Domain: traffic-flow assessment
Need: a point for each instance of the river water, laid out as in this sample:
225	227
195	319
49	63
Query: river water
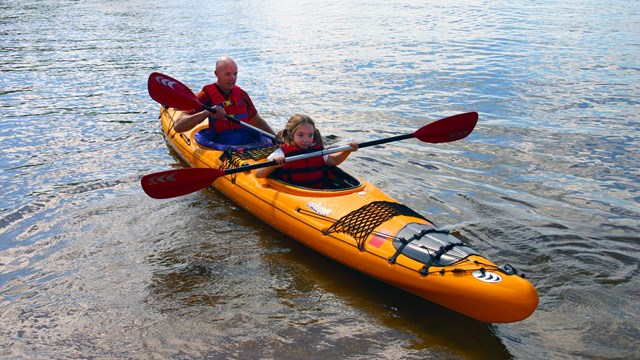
90	267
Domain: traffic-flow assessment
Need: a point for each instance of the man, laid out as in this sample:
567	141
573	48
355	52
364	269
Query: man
226	99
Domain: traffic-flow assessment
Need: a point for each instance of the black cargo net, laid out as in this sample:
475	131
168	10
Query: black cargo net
255	154
235	158
360	223
228	161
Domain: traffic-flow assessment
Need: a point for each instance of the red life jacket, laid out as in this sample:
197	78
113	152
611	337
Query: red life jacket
308	172
236	105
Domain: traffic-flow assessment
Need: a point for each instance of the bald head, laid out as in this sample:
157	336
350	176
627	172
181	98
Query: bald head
225	61
227	73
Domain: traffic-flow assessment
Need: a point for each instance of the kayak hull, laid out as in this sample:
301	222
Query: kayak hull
360	227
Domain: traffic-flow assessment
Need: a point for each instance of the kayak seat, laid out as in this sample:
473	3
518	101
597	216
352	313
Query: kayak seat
337	179
231	140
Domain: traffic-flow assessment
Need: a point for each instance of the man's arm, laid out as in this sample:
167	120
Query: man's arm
185	121
259	122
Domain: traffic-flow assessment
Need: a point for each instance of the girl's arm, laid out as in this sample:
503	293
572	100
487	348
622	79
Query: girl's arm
264	172
277	156
337	158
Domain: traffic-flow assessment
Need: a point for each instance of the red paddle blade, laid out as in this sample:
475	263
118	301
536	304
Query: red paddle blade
449	129
178	182
171	92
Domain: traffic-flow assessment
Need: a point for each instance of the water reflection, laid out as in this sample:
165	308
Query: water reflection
282	292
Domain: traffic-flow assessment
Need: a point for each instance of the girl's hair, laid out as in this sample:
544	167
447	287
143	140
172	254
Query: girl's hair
293	124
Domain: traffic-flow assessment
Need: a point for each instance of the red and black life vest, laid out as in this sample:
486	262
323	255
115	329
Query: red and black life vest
310	172
235	106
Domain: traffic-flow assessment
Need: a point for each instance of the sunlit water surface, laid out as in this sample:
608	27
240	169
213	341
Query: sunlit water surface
548	181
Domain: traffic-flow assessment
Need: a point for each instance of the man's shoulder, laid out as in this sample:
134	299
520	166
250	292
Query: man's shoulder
240	91
247	99
209	88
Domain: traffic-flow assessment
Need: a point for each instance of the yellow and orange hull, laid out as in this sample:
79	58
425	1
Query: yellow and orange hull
473	285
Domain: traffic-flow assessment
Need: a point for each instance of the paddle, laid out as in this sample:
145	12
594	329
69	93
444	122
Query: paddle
171	92
178	182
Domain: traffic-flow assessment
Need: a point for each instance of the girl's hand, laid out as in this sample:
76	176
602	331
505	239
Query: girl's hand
279	159
354	146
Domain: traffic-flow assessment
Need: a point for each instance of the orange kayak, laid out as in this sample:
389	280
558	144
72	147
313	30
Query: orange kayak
355	223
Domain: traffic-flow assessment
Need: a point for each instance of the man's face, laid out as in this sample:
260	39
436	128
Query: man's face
227	75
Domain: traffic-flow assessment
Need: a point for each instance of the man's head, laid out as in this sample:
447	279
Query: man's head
227	73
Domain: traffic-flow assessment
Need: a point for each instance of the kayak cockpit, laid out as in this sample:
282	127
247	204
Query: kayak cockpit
335	179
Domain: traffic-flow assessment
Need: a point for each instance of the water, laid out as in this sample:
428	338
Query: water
548	180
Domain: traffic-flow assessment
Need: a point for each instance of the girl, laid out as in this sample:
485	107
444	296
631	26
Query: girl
301	136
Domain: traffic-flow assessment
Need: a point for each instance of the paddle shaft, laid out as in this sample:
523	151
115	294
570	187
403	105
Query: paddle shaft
231	118
178	182
317	153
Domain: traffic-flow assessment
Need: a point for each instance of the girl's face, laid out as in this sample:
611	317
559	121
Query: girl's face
303	135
